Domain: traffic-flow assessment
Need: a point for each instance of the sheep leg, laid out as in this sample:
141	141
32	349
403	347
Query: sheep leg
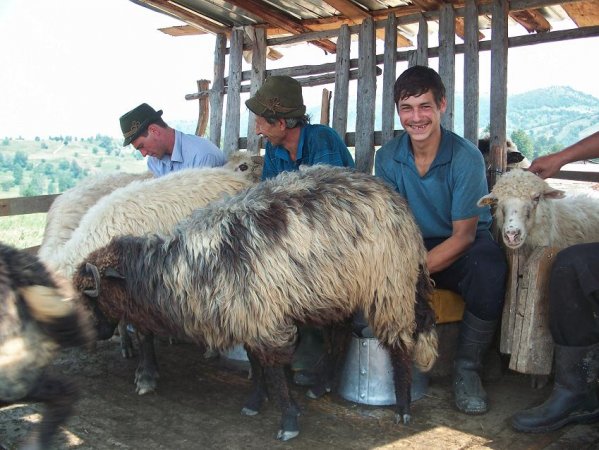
126	342
146	375
402	378
259	389
337	339
58	396
289	427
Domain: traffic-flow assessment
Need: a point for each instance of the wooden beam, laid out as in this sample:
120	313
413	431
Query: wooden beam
204	110
184	14
583	13
232	122
342	73
258	75
389	75
26	205
274	17
471	72
217	93
532	20
447	61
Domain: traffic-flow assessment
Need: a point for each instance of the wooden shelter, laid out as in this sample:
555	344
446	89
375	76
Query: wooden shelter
404	26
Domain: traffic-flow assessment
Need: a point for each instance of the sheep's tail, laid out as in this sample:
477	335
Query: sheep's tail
58	316
425	350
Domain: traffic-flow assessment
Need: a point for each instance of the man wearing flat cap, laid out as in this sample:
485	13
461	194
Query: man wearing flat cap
167	149
291	142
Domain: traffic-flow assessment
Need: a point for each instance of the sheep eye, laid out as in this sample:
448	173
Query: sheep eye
243	167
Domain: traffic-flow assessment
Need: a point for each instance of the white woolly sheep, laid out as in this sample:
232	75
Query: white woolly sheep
66	211
312	246
530	211
36	321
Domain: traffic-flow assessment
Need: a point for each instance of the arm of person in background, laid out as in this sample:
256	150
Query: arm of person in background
548	165
451	249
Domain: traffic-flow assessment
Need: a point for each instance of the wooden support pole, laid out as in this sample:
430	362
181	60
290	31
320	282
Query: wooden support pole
325	106
217	93
203	85
366	94
471	72
447	60
258	75
389	75
232	123
340	100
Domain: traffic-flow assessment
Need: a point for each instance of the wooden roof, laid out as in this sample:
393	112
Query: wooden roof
287	18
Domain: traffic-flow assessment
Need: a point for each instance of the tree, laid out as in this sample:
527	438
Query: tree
20	159
523	142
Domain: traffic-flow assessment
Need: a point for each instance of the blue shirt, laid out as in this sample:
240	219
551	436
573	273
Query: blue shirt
189	151
318	144
450	189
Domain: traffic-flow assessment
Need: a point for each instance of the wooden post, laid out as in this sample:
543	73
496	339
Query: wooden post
447	60
258	75
422	42
365	98
232	124
389	74
203	86
498	113
325	106
471	72
339	122
532	345
217	93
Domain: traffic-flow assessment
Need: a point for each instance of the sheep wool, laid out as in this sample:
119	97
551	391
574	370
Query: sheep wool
529	211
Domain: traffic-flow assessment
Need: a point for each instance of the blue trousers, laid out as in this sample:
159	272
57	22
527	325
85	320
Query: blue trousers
574	296
479	276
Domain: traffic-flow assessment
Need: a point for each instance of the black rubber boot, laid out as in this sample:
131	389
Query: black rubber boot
475	338
575	397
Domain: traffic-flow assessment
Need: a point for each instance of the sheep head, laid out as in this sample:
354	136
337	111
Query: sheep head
250	165
97	287
516	197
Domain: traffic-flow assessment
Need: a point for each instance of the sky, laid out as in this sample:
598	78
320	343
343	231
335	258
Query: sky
73	67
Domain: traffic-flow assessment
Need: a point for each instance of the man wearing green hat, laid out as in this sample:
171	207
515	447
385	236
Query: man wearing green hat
291	142
167	149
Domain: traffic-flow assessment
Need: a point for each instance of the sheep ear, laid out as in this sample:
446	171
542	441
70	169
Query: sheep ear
111	272
487	200
553	193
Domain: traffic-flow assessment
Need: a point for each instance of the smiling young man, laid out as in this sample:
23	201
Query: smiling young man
166	149
291	142
442	176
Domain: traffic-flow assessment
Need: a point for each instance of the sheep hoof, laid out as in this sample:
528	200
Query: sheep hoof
286	435
403	418
248	412
317	392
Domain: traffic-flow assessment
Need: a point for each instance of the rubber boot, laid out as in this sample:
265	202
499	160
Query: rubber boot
307	356
475	338
575	397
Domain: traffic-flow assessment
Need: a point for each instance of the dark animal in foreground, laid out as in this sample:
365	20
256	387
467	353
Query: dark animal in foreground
36	321
312	246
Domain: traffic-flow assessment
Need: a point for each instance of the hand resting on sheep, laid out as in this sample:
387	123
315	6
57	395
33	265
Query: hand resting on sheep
312	246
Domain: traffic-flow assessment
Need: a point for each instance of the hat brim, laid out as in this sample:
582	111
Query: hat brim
260	110
144	125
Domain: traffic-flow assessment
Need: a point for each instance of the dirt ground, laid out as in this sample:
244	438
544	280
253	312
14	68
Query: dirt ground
198	403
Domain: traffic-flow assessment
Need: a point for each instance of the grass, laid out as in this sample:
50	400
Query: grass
22	231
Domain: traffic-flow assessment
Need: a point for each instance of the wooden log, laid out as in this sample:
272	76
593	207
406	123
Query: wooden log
26	205
203	85
516	263
532	346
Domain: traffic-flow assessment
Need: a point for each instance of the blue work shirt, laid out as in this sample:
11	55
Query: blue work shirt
318	144
189	151
448	192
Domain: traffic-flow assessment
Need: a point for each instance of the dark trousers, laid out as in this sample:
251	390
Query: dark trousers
479	276
574	296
